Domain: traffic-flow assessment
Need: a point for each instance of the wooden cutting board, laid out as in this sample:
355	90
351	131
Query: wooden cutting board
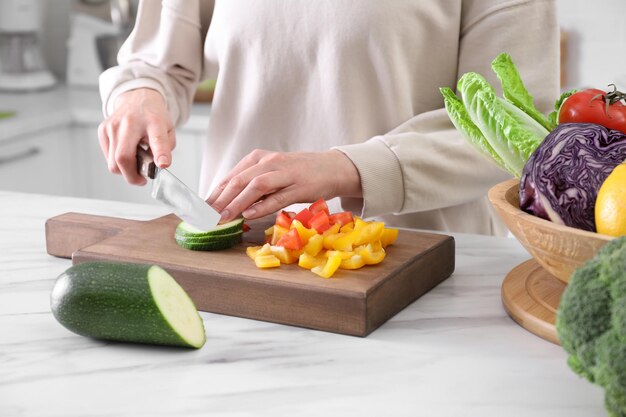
351	302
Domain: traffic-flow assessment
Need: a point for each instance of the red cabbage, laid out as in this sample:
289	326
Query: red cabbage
561	179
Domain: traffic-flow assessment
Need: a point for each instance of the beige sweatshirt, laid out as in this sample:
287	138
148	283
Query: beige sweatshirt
359	75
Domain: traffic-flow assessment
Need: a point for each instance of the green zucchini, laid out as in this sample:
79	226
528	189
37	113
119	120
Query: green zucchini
224	236
185	229
210	243
126	302
202	239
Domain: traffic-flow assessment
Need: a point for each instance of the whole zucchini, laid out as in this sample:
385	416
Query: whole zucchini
126	302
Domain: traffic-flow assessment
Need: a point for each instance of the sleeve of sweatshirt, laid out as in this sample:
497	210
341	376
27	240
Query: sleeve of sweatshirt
425	164
152	56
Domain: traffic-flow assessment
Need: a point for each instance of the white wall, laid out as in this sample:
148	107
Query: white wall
596	50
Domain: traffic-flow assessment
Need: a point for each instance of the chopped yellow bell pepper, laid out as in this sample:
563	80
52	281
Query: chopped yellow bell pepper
307	261
332	230
315	245
265	250
343	243
371	257
304	233
277	233
354	262
267	261
370	232
347	228
329	268
388	237
359	223
284	255
254	251
251	251
343	254
329	240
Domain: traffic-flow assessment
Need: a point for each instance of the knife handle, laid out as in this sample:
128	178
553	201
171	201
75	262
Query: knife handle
145	163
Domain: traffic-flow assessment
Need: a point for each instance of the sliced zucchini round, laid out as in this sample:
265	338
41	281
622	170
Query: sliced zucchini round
185	229
224	236
210	242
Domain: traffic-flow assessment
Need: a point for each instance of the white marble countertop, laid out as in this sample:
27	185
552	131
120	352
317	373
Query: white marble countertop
454	352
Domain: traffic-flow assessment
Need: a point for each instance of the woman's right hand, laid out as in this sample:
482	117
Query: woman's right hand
140	116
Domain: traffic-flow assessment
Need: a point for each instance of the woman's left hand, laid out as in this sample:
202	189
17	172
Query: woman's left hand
264	182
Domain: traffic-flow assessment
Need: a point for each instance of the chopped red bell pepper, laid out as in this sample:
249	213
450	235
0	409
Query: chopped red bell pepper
290	240
320	221
283	219
319	205
304	216
343	217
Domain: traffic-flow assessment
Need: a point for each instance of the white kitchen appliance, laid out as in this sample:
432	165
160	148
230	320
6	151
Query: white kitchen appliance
94	43
84	63
22	67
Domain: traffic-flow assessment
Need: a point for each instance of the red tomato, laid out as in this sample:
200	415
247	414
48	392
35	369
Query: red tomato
304	216
590	106
343	217
290	240
283	219
320	221
319	205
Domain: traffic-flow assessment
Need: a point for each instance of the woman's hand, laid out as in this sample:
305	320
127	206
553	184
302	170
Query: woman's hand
140	116
264	182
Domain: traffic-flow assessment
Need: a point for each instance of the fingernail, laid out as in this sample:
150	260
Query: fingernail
248	213
163	161
225	214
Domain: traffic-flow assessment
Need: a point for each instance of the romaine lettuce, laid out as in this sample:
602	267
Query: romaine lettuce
501	129
514	91
463	123
511	133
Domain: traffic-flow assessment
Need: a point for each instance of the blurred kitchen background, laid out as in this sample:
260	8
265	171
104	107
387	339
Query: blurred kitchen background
48	137
51	54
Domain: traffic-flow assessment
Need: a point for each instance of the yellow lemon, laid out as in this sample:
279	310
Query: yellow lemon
610	210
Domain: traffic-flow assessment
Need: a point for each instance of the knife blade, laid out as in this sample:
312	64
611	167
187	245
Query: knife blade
175	195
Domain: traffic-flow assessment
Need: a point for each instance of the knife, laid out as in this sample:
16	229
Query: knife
175	195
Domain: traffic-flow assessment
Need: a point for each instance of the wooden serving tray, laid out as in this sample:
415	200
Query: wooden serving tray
351	302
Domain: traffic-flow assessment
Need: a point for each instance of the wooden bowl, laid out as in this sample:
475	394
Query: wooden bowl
558	249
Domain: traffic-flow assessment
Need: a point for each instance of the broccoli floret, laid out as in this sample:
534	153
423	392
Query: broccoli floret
584	314
591	323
